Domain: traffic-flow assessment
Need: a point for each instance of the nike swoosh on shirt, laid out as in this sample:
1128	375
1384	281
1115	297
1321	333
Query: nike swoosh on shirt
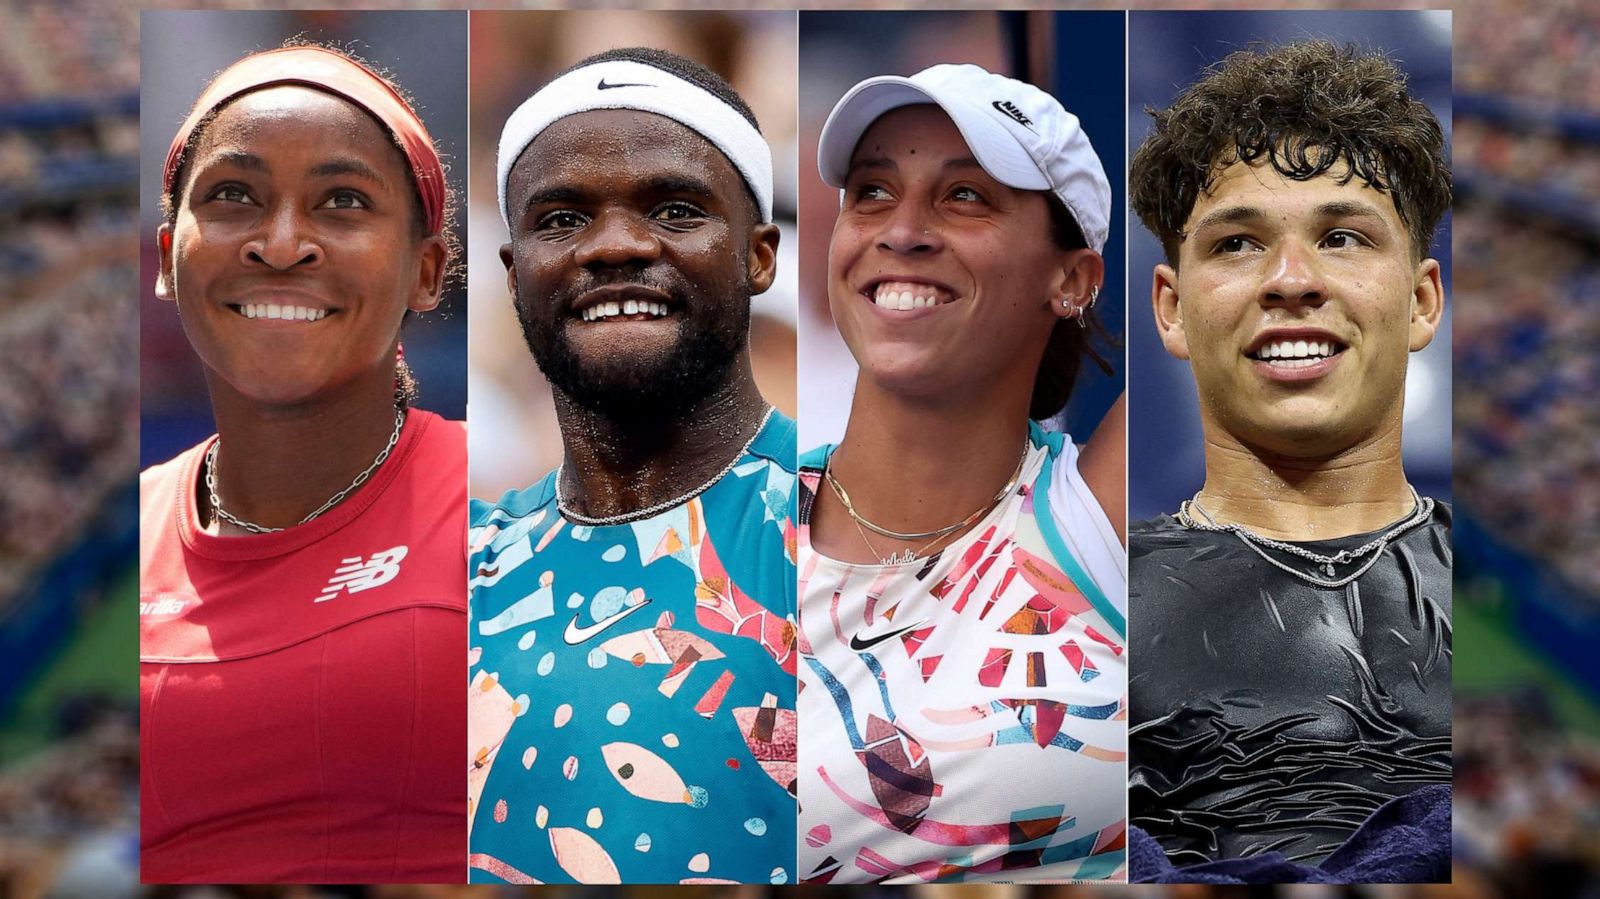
605	87
576	635
859	644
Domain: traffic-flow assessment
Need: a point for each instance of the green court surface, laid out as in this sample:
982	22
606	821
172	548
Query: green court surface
101	656
1491	657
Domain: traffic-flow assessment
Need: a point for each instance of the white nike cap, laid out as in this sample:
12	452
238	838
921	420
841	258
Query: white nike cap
1023	137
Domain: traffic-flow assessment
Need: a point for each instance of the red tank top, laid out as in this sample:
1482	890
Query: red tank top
303	693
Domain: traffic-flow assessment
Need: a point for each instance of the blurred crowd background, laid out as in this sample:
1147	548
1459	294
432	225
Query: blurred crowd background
1527	315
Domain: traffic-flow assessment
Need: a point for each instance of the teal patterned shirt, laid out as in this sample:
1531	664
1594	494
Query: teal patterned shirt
631	709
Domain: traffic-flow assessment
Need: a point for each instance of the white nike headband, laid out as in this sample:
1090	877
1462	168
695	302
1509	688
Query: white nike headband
623	84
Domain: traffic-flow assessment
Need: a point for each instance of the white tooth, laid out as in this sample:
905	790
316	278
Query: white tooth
905	299
613	308
259	310
630	307
1300	348
658	309
881	299
317	314
274	311
302	314
1327	348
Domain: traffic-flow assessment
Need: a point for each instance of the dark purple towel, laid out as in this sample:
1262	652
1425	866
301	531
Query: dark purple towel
1407	840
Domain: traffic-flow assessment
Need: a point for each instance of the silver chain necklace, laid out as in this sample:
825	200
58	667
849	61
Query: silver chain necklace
1420	512
641	514
252	527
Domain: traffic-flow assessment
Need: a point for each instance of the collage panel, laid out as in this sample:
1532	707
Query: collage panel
1290	558
302	506
631	715
961	560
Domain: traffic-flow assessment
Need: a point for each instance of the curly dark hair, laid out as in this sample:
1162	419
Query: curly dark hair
1305	107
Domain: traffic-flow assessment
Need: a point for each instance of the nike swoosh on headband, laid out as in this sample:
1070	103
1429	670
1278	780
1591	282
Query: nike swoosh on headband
859	644
605	87
575	635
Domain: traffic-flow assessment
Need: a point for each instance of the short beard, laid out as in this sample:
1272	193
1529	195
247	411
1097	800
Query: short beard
635	389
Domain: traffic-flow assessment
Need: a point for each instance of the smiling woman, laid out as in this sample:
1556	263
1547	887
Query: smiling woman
961	570
302	573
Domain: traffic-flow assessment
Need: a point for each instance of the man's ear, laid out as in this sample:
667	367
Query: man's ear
762	261
509	262
164	271
1168	312
1427	304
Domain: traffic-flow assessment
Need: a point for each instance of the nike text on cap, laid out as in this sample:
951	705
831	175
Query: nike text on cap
1022	136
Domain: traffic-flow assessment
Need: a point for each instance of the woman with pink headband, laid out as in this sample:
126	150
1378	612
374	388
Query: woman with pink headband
302	572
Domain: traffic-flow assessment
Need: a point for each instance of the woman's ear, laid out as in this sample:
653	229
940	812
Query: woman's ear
1078	283
434	260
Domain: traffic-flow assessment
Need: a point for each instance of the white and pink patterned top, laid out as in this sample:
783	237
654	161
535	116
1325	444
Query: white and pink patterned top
965	714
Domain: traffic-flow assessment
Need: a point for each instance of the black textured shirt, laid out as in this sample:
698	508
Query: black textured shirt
1269	713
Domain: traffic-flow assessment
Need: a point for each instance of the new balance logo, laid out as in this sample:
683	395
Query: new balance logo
1010	109
355	575
161	604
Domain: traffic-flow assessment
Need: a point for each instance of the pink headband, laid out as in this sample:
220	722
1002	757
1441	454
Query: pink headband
338	75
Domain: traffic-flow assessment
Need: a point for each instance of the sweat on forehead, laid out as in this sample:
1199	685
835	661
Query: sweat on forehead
629	85
601	153
333	73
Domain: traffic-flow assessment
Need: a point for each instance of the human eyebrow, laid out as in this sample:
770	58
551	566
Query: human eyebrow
681	184
1350	209
337	167
559	194
1229	215
964	162
238	159
871	163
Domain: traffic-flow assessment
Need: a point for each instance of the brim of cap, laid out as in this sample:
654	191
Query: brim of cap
991	144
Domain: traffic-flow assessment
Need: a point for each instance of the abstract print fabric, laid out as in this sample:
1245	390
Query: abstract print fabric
965	714
631	712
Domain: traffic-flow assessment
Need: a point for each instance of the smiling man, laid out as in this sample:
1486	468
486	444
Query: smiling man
633	613
1291	622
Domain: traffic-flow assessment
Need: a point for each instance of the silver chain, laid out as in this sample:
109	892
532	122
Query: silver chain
252	527
641	514
1421	511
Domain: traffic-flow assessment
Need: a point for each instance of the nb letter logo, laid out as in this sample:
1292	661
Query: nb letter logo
355	575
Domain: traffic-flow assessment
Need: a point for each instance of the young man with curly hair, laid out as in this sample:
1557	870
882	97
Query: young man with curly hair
1292	619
